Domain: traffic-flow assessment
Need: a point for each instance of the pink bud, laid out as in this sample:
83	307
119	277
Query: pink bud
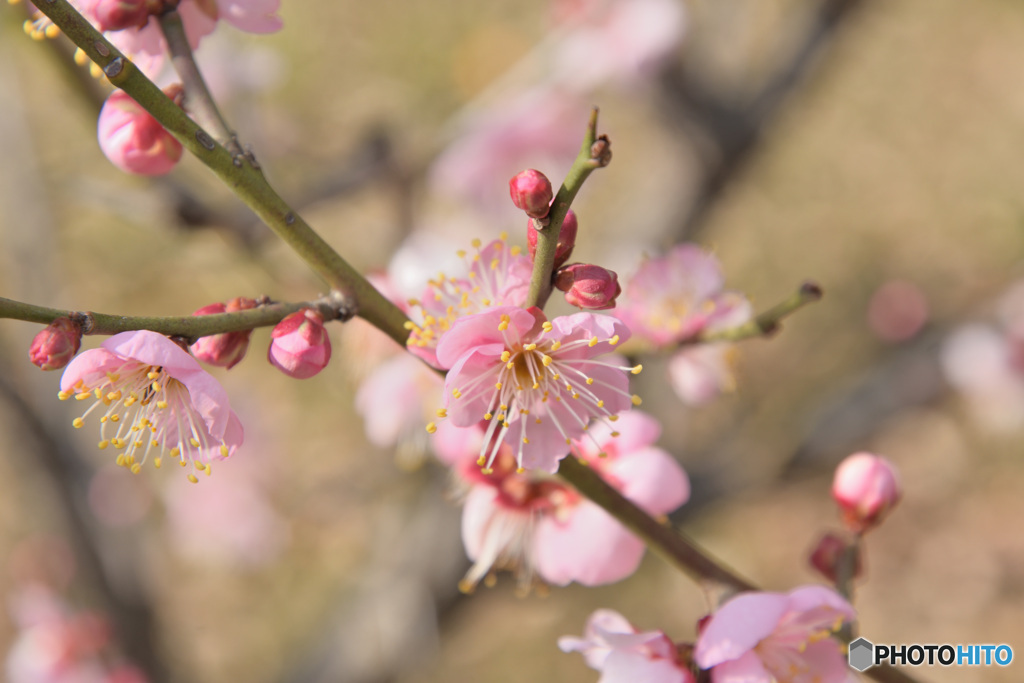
115	15
588	286
566	238
300	346
531	192
133	140
226	349
866	487
828	554
56	344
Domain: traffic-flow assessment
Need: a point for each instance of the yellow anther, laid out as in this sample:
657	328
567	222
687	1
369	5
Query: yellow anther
593	341
80	57
497	385
575	395
84	395
200	466
476	242
157	462
590	380
637	369
456	393
78	422
505	355
224	450
495	263
488	416
136	468
209	470
461	253
52	31
615	434
120	461
520	470
536	385
153	374
547	326
614	340
441	412
636	400
130	401
431	427
154	443
538	421
194	442
600	404
183	462
63	395
525	440
487	470
193	478
503	236
546	360
503	325
481	461
529	347
162	405
509	365
155	386
175	452
114	395
115	418
408	325
516	250
103	444
602	454
103	419
140	443
613	418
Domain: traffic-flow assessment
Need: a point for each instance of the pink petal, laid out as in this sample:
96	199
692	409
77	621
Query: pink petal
88	366
254	16
477	514
481	330
636	430
631	667
472	367
652	479
590	547
827	662
738	626
747	669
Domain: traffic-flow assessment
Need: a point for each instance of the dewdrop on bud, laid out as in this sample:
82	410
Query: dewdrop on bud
566	239
226	349
865	487
300	346
133	140
588	286
56	344
531	191
115	15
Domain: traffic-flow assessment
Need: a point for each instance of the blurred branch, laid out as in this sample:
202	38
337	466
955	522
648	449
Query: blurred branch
735	131
767	323
56	459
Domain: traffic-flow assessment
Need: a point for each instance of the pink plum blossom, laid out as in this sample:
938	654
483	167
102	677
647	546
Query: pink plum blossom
532	524
153	397
679	295
495	275
761	637
133	140
622	654
537	383
702	372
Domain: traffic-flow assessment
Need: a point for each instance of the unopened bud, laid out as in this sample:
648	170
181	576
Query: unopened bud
115	15
588	286
226	349
828	556
133	140
566	239
531	191
56	344
300	347
866	487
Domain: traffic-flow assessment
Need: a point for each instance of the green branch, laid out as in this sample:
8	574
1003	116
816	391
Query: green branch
594	153
767	323
244	179
191	327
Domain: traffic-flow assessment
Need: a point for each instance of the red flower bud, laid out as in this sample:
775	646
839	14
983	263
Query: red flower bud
829	552
226	349
588	286
133	140
566	238
114	15
866	487
56	344
300	346
531	191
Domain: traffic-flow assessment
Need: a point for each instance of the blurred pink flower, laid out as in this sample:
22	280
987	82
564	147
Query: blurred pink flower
532	524
679	295
147	386
702	372
495	275
622	654
898	310
133	140
985	366
763	637
537	383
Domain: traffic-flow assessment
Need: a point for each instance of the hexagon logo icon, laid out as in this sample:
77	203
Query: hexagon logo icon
862	654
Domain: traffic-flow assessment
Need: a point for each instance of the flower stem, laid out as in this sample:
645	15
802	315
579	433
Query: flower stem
198	100
191	327
244	179
594	153
767	323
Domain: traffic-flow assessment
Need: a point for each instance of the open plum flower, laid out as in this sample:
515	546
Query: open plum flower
537	383
622	654
763	637
535	525
155	398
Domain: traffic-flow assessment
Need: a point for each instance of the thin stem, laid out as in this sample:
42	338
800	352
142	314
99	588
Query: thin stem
767	323
198	100
594	153
190	327
244	179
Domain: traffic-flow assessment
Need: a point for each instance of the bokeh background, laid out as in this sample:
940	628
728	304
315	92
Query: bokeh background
870	146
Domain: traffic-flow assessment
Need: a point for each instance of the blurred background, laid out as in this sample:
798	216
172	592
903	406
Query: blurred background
870	146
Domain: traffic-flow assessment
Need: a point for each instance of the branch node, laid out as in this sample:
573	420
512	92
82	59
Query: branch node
115	67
